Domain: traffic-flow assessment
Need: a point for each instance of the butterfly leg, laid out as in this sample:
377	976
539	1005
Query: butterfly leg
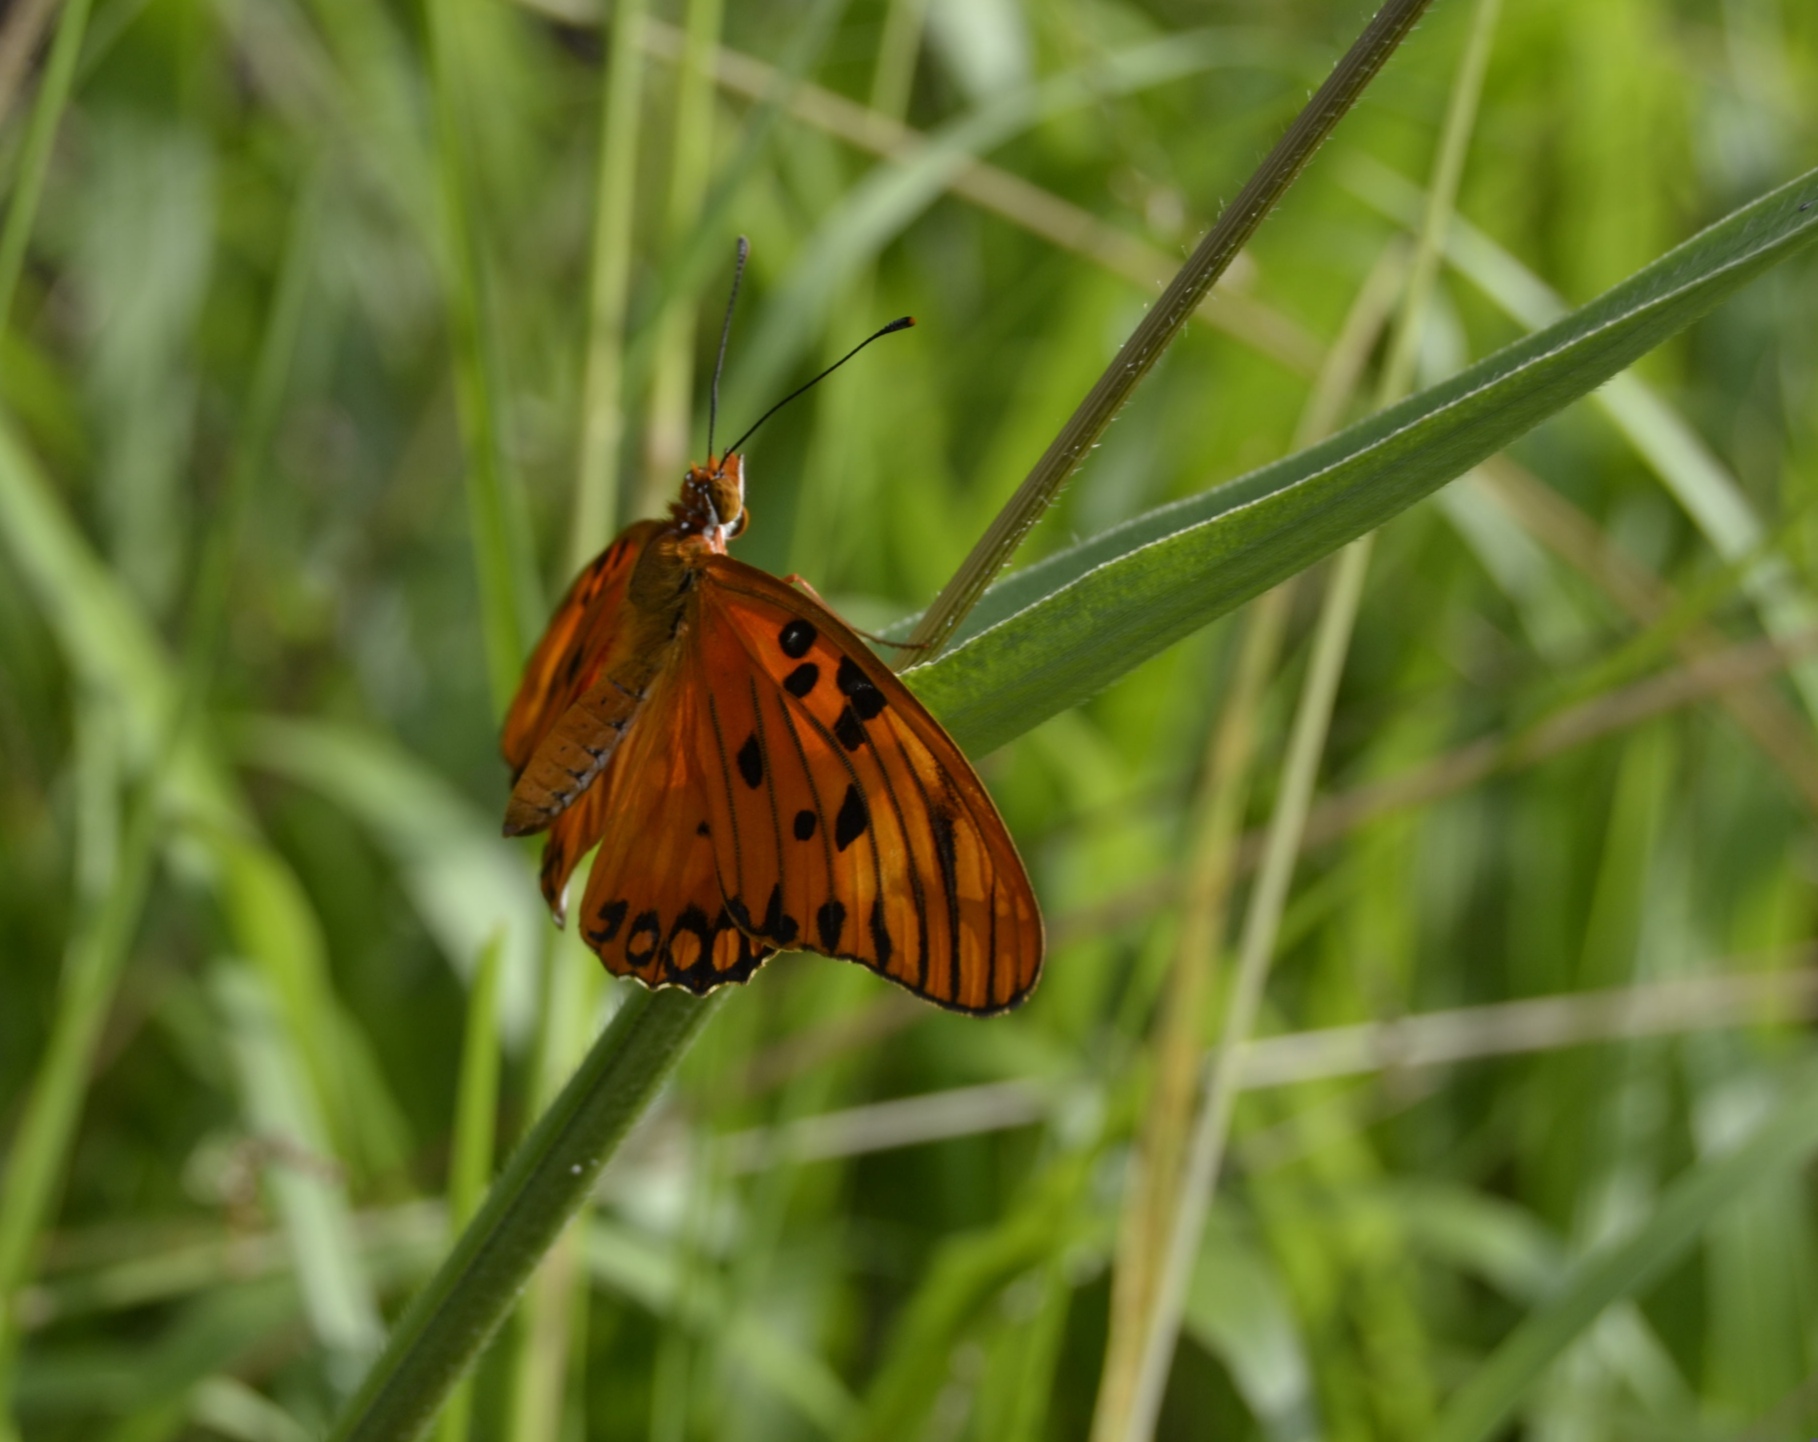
801	584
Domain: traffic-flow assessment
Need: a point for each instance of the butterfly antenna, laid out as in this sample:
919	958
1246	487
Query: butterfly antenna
901	323
719	364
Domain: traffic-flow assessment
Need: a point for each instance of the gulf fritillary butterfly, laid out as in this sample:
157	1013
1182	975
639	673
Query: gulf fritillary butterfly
755	778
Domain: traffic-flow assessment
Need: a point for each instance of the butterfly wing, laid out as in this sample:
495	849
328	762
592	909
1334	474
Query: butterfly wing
653	907
574	646
843	819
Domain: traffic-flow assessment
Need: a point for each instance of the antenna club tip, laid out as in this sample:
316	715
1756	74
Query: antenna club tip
900	323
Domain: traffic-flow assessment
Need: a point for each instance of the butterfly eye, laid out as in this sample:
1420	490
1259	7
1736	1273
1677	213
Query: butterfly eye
726	489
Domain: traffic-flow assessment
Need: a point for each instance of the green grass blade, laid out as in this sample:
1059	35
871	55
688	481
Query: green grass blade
117	873
465	887
596	487
509	608
1070	625
544	1184
47	114
876	210
470	1168
1661	436
668	437
1785	1141
100	946
651	1274
309	1196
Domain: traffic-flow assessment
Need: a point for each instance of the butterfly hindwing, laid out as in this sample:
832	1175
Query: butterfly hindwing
567	660
844	820
653	907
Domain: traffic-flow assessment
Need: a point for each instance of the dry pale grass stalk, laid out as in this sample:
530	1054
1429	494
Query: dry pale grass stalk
1161	1148
1783	989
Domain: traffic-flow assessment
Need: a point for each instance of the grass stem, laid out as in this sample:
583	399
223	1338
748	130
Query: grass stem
1330	103
1306	745
508	608
596	493
40	137
547	1179
470	1166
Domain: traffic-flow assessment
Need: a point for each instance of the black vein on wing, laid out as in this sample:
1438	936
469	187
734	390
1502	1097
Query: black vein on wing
917	893
991	966
822	828
776	821
719	742
943	857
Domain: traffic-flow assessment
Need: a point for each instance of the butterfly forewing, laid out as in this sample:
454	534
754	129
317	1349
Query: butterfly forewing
568	658
653	907
843	819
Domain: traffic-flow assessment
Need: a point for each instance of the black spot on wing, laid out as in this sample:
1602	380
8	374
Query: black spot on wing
693	921
880	935
866	699
849	730
645	937
805	823
778	926
751	762
802	680
611	918
830	920
850	824
795	638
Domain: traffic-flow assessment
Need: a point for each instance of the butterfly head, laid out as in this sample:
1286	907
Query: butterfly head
713	500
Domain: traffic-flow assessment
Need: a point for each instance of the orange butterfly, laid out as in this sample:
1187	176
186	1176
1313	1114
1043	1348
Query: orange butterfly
755	778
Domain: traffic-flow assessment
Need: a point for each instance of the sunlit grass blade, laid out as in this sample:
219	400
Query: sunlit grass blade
882	205
509	605
125	854
1067	626
1711	496
595	512
1784	1141
667	440
686	271
1148	1222
878	129
968	1275
635	1266
1214	255
465	888
305	1184
1203	1154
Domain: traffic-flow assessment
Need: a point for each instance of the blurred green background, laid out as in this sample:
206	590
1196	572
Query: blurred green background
312	303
